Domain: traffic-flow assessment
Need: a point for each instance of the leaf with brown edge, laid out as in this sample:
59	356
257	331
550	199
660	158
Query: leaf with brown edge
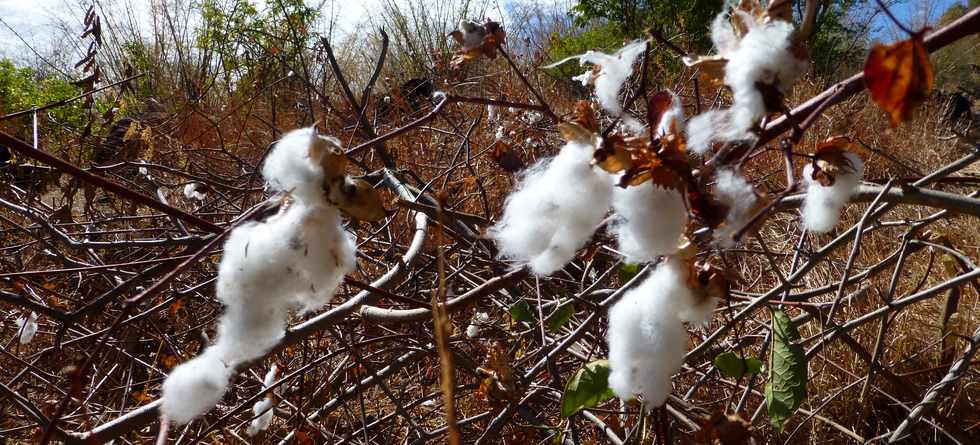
657	105
899	76
830	160
584	116
361	201
505	157
612	158
711	67
727	429
573	132
780	10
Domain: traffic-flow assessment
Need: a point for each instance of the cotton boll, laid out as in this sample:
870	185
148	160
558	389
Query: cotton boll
584	78
491	114
265	411
191	191
294	259
554	210
646	337
270	376
289	168
264	408
27	326
673	118
479	322
706	128
822	205
194	387
763	56
653	221
723	35
736	193
614	70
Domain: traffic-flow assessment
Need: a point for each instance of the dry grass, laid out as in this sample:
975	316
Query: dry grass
450	156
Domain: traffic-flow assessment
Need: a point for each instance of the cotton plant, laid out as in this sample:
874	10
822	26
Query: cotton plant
608	74
759	58
652	214
831	179
264	410
736	193
475	40
647	336
293	260
26	328
195	191
556	206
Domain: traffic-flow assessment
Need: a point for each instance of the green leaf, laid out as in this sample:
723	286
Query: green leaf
628	271
521	311
587	388
786	388
556	320
731	365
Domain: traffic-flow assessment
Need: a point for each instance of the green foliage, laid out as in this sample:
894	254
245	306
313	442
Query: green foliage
606	37
521	312
690	19
242	44
587	388
786	388
837	45
732	365
627	271
21	89
952	63
557	319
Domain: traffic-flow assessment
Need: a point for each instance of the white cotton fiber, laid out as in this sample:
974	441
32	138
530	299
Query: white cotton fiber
293	260
763	55
736	193
673	118
27	327
614	70
194	387
822	205
652	222
264	408
553	210
289	168
270	376
191	191
646	336
265	411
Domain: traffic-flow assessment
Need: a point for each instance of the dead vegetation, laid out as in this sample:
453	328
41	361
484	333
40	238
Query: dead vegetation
119	264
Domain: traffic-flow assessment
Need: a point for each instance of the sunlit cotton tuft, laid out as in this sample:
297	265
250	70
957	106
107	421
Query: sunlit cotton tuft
652	221
822	205
293	260
647	339
736	193
614	70
763	56
554	210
